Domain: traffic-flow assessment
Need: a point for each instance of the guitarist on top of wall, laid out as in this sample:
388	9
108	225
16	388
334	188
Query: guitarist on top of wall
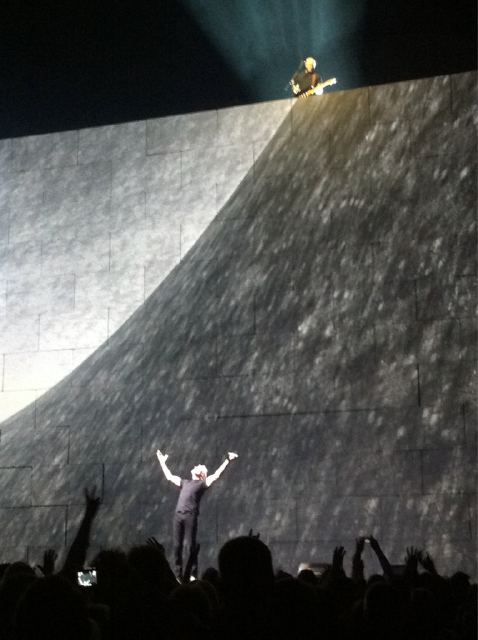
307	82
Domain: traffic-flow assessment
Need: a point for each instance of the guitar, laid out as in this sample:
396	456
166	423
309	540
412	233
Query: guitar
318	90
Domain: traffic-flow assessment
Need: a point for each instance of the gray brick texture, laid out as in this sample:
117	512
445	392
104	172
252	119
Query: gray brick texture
296	281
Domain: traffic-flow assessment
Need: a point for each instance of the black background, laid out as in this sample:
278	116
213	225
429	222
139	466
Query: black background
67	65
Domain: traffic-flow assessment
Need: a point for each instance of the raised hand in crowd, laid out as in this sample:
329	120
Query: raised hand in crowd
338	561
153	542
76	556
411	561
138	596
382	558
49	559
357	562
427	563
92	502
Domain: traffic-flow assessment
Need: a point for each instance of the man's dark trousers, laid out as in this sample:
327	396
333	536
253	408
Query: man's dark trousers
185	526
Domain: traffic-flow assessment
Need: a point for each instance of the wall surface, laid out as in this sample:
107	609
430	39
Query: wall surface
91	222
323	325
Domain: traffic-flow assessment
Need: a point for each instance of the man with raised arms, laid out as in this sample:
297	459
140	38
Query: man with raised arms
186	516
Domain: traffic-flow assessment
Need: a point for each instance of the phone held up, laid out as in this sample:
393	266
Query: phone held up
87	577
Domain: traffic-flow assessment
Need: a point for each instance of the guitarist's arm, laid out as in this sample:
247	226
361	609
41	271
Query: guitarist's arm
318	90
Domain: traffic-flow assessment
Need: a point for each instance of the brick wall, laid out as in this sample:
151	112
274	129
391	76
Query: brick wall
323	325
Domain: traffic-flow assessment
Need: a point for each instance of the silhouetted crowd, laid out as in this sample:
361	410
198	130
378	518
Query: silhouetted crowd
138	597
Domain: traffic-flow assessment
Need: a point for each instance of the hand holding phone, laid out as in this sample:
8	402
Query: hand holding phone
87	577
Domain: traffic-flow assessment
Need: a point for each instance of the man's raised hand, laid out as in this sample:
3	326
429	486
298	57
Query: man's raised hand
162	457
231	455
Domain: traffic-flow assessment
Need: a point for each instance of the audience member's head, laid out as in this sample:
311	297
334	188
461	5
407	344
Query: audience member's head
12	588
151	565
192	600
18	568
137	596
52	609
422	612
381	605
295	609
308	576
211	575
245	567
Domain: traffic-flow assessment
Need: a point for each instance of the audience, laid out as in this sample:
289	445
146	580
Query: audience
137	597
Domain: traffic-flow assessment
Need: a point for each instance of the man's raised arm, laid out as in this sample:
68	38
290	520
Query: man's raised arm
162	457
212	478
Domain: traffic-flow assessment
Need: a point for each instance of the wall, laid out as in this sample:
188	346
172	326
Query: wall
91	222
323	325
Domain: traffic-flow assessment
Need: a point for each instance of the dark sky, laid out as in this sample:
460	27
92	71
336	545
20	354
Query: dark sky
66	65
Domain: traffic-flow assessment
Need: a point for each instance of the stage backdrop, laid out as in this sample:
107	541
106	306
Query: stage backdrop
292	281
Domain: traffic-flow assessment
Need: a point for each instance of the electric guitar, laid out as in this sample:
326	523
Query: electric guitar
318	90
